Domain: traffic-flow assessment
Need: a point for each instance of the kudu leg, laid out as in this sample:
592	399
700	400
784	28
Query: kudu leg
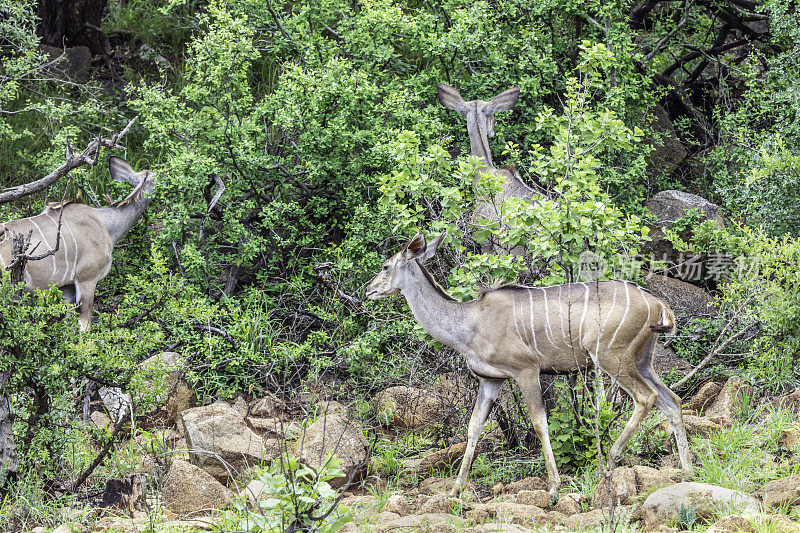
84	297
643	399
488	389
531	389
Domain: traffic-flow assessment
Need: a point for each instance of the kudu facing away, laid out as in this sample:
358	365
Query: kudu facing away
521	332
480	127
85	241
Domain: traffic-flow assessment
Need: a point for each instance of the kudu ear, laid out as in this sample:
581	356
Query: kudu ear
450	98
430	249
2	232
122	171
415	247
504	101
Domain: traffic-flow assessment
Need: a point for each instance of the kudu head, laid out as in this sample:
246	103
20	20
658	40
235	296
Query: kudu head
479	115
143	181
396	273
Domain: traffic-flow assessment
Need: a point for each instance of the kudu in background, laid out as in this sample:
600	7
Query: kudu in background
83	238
480	127
521	332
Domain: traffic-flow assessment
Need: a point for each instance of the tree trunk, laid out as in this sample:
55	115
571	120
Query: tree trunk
9	460
69	23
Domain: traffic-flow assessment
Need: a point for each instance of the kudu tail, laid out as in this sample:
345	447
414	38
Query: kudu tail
666	322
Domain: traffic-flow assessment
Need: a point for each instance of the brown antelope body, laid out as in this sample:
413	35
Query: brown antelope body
521	332
85	242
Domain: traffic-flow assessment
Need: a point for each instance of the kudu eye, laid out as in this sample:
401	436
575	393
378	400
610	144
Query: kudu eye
385	267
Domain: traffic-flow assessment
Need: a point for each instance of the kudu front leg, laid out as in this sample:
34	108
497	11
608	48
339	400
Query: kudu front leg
488	389
84	297
531	390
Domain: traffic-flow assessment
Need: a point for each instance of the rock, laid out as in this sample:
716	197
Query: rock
686	300
335	435
790	438
329	407
439	503
667	207
568	504
100	420
513	513
725	403
695	425
189	489
780	523
433	523
579	521
780	492
667	150
627	482
270	406
705	396
539	498
176	396
221	429
433	485
731	524
412	407
528	483
117	524
789	401
442	458
664	504
396	504
255	491
499	528
665	360
68	528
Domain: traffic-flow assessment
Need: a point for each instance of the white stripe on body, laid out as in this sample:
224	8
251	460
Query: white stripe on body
59	238
608	314
44	240
548	331
624	315
583	315
561	319
75	258
533	330
644	297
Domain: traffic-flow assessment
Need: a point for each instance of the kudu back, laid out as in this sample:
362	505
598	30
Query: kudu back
522	332
85	241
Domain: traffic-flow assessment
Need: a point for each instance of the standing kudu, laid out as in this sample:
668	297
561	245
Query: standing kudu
521	332
86	237
480	127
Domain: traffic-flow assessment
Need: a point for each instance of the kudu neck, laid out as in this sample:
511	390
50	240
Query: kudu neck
479	139
438	313
119	219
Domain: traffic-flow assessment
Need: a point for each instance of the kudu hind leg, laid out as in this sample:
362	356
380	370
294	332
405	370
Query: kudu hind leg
84	297
488	389
643	399
531	389
670	404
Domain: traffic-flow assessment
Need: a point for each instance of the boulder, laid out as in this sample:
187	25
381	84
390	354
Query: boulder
433	485
780	492
396	503
686	300
724	405
512	513
176	395
789	401
780	523
705	396
695	425
434	523
255	491
439	503
569	504
219	440
539	498
667	150
528	483
189	489
731	524
335	435
412	407
628	481
441	458
664	504
270	406
101	420
790	438
667	207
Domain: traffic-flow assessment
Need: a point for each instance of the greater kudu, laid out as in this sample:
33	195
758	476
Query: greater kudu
86	237
521	332
480	127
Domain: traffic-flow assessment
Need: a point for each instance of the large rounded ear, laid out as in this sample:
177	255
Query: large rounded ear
430	249
415	247
504	101
2	232
450	98
122	171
